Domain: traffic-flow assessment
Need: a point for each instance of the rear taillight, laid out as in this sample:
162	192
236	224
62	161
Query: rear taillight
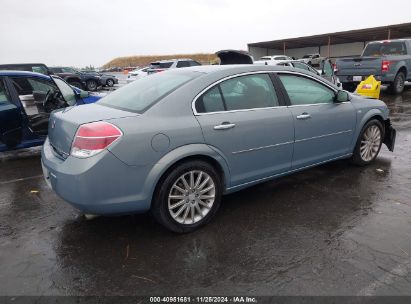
335	68
385	66
93	138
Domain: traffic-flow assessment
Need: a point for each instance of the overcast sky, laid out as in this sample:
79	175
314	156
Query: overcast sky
83	32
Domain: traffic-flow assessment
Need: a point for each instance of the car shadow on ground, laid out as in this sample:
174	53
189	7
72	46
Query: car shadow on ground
274	225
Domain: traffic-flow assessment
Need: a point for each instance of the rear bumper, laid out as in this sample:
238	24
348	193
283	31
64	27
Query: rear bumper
101	184
350	78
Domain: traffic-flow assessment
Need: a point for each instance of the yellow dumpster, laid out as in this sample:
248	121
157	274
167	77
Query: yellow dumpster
369	87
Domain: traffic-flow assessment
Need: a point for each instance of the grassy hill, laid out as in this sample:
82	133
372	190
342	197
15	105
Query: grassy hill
145	60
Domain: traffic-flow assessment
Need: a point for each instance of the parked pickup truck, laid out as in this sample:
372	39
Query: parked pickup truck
389	61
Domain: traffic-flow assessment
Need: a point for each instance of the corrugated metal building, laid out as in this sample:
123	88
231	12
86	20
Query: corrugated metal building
333	45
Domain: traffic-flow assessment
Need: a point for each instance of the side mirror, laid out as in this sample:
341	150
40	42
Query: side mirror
80	94
342	96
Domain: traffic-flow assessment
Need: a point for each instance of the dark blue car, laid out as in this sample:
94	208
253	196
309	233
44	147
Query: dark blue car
26	101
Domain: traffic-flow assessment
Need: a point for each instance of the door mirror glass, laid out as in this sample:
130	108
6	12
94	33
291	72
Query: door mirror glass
342	96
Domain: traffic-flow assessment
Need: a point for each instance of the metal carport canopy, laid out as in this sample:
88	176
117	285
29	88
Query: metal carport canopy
369	34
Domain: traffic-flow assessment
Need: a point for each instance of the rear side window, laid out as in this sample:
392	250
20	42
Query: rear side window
385	48
141	94
302	90
239	93
4	94
211	101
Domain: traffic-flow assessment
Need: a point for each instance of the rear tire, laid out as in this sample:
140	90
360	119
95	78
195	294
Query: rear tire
368	143
110	82
397	87
186	206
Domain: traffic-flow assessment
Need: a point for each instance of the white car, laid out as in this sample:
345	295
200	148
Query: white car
272	60
136	74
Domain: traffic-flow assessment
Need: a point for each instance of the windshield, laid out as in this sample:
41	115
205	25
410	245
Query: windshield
141	94
265	58
385	48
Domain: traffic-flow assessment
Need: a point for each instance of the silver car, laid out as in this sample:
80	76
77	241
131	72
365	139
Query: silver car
176	141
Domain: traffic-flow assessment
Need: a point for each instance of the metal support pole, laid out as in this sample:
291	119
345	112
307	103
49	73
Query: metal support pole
389	34
329	47
284	47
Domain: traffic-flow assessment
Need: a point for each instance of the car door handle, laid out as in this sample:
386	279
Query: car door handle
304	116
224	126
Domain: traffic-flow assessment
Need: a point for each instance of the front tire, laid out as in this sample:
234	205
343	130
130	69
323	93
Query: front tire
397	87
368	143
188	197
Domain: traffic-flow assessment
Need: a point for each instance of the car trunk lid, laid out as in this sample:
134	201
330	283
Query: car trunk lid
64	123
234	57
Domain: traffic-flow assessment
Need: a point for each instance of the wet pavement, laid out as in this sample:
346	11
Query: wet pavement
332	230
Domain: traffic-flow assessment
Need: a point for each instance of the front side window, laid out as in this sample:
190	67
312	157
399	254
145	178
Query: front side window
239	93
66	91
141	94
4	94
30	86
302	90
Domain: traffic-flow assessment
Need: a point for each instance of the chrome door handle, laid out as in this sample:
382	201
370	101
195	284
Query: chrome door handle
224	126
304	116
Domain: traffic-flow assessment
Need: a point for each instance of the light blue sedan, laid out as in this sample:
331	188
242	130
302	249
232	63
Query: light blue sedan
176	141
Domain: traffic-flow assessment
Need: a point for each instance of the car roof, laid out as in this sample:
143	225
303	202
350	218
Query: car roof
12	73
389	40
168	60
237	68
228	70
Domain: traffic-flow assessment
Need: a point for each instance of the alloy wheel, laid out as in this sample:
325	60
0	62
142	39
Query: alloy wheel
370	143
191	197
92	85
400	84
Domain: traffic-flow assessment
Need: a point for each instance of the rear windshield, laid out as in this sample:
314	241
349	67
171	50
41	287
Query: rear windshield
141	94
161	65
385	48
